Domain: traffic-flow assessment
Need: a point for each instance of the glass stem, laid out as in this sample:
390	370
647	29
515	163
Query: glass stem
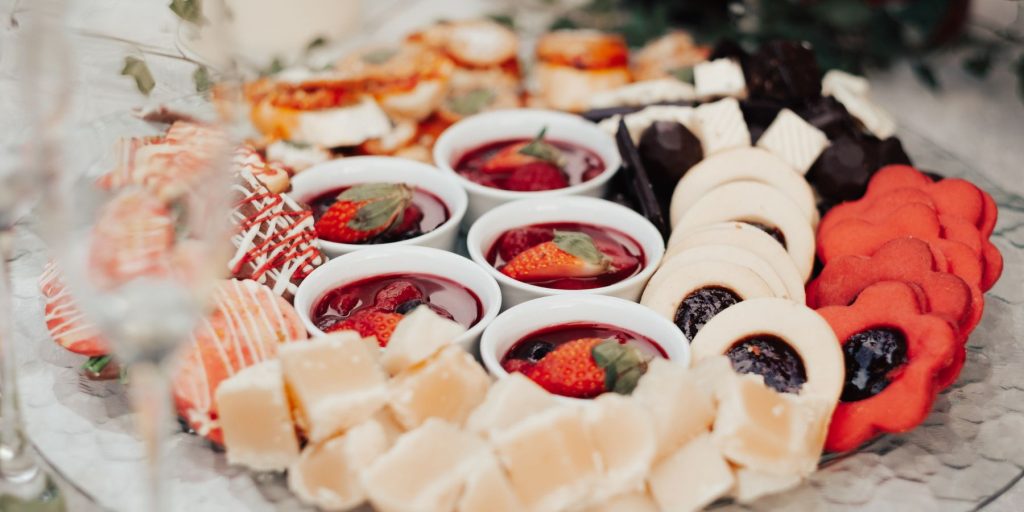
150	391
17	464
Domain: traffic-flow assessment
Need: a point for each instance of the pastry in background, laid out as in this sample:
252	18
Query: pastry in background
573	65
484	52
408	80
668	56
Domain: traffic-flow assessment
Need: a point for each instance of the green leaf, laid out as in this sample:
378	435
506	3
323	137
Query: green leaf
275	67
374	191
201	77
503	19
471	102
539	148
137	69
384	202
316	43
623	365
683	74
924	72
580	245
188	10
379	56
96	364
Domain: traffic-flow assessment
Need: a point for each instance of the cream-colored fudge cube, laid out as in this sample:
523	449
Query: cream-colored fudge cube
793	140
623	434
425	470
256	418
419	335
767	431
712	373
720	126
327	474
835	80
719	77
752	485
634	501
334	382
489	490
448	387
691	478
549	459
509	401
681	409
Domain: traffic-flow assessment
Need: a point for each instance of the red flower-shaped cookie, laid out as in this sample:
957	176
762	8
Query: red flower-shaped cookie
904	259
950	196
893	351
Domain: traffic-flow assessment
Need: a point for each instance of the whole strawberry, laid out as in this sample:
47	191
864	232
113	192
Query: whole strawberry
363	212
588	367
569	254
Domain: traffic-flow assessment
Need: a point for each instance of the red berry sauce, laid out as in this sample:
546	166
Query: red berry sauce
534	346
398	293
626	254
581	164
426	213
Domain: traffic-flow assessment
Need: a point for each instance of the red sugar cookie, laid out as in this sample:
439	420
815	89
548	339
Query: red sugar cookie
858	236
894	392
903	259
951	196
873	209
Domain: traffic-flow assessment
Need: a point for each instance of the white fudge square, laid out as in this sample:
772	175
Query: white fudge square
418	336
449	386
256	419
334	381
691	478
835	80
644	93
425	470
679	407
509	401
623	434
489	490
874	118
327	475
793	140
719	77
549	459
752	485
720	126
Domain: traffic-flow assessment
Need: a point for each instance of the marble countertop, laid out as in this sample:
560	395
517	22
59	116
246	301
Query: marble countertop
979	123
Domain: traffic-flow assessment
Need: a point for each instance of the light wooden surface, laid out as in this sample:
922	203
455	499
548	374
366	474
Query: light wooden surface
981	123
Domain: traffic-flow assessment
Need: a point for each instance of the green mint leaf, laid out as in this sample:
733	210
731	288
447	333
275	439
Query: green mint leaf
276	66
580	245
379	214
188	10
503	19
471	102
374	191
201	77
137	69
542	150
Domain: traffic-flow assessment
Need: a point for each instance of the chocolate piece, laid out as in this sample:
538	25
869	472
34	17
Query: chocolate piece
784	71
842	171
274	239
829	116
637	183
759	115
890	151
730	49
668	149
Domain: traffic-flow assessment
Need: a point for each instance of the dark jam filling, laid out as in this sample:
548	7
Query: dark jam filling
873	359
580	165
772	358
699	307
534	346
431	210
772	231
447	298
627	256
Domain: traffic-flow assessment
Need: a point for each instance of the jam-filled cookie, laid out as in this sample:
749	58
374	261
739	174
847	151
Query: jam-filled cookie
762	206
742	164
788	344
748	238
692	294
893	351
730	254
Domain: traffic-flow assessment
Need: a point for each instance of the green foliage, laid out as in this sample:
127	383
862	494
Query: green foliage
138	70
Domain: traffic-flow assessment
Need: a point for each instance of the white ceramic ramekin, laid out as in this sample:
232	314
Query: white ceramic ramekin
335	174
535	315
475	131
585	210
406	259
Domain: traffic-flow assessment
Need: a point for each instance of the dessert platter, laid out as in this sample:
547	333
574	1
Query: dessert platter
661	278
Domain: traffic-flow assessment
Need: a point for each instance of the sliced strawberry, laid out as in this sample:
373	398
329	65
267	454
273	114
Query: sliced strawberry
515	241
371	322
515	156
363	212
395	294
587	367
569	254
409	222
535	177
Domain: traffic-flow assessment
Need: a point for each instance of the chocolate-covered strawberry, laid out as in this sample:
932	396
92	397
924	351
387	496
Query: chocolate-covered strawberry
363	212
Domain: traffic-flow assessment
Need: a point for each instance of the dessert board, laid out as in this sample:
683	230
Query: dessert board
886	469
